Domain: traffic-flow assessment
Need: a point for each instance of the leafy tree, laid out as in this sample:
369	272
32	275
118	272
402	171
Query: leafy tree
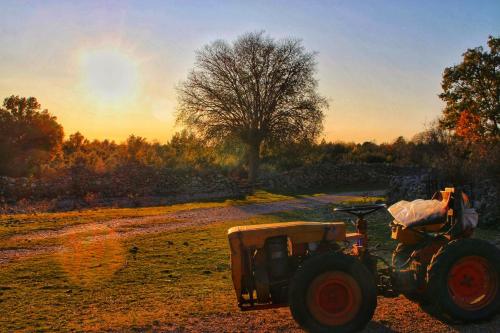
256	90
471	91
29	136
75	143
136	149
190	152
292	155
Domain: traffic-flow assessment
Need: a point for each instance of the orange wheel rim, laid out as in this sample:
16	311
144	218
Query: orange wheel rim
472	283
334	298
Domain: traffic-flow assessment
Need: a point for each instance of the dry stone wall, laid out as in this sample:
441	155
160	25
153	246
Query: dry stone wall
329	175
132	188
141	186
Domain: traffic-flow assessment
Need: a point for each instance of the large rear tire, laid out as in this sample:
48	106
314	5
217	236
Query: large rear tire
332	293
463	280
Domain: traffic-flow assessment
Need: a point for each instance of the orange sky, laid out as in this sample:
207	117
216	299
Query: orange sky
109	69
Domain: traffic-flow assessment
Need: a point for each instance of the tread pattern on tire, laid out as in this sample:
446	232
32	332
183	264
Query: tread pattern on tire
441	304
330	262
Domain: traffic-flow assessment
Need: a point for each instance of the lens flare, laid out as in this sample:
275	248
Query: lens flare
91	258
109	75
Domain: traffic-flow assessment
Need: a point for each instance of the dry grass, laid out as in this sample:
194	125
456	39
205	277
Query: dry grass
156	280
115	284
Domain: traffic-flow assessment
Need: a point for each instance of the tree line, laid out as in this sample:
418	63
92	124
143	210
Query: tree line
251	106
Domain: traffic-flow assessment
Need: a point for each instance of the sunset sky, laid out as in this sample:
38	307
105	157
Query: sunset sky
109	68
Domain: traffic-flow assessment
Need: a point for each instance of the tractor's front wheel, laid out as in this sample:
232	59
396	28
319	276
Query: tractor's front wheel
463	280
332	293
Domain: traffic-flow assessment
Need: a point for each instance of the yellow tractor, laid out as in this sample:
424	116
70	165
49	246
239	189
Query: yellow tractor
330	279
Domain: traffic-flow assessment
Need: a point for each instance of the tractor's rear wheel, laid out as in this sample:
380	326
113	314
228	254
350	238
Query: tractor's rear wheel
332	293
464	279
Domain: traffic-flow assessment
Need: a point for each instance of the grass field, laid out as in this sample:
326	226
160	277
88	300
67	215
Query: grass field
18	223
148	281
100	286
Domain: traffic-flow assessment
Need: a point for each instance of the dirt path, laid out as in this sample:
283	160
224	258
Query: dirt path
129	227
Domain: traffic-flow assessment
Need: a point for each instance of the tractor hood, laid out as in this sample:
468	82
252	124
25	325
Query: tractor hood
298	232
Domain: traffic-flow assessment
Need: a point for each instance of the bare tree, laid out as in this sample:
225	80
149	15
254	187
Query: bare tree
257	90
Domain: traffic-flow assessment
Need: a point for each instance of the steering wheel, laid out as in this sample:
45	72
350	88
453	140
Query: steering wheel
361	210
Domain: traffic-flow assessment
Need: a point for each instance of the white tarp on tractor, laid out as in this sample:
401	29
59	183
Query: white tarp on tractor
409	213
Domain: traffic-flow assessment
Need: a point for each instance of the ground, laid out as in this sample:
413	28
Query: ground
164	269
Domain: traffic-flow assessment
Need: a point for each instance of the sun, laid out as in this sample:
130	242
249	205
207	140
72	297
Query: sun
109	75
